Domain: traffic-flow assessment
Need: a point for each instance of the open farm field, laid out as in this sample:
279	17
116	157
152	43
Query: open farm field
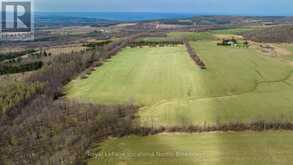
235	31
289	48
240	85
211	35
241	148
72	30
192	35
139	75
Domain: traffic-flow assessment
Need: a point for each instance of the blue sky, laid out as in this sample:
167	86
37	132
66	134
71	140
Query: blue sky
225	7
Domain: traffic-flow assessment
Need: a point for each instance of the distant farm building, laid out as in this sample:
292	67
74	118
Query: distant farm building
233	43
228	42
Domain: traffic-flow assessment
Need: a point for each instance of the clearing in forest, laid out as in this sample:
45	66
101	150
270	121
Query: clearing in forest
240	85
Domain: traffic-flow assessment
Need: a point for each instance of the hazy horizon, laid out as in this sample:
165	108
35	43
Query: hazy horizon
132	16
129	16
196	7
152	12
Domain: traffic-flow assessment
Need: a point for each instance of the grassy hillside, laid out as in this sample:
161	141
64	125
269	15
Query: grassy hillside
243	148
239	85
239	30
199	36
192	35
140	75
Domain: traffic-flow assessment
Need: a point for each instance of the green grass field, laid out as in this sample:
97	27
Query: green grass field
154	39
139	75
233	30
263	148
239	85
289	47
199	36
192	35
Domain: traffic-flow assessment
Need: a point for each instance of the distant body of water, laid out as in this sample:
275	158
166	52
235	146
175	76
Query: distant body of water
118	16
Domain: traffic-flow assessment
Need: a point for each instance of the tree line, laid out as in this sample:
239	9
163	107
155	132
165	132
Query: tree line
18	68
97	44
23	61
12	55
156	43
194	55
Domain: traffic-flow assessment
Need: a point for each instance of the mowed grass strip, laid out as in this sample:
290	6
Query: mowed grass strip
141	76
242	148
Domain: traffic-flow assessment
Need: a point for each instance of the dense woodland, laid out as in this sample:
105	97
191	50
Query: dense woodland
12	93
39	127
59	132
271	35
